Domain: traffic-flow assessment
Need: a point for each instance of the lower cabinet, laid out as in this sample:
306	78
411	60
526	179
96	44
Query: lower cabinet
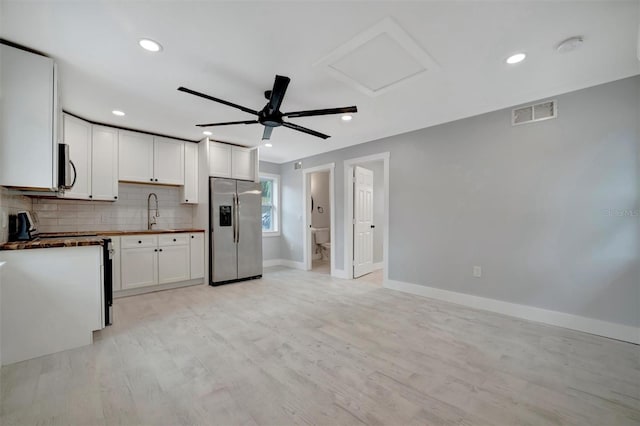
148	260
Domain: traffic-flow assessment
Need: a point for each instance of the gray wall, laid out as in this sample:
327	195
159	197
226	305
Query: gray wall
270	245
549	209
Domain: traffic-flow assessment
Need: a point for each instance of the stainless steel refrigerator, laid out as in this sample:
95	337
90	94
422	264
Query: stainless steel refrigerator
236	230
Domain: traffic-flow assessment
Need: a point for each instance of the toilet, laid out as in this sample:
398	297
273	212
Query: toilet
322	242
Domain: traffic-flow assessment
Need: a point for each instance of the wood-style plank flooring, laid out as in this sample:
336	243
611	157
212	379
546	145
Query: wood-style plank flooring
302	348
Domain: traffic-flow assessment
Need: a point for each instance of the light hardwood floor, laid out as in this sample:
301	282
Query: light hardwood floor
302	348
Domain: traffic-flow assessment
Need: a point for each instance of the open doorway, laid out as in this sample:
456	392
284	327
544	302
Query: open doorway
366	216
319	229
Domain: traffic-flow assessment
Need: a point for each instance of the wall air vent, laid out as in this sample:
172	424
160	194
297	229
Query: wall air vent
536	112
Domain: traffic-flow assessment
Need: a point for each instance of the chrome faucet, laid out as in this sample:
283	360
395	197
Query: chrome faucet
152	220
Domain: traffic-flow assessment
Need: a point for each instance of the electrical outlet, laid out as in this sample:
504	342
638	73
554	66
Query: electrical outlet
477	271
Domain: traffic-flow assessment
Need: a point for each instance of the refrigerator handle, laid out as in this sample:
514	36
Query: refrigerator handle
233	218
237	211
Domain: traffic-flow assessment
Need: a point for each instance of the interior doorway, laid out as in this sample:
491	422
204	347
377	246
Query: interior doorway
319	219
367	218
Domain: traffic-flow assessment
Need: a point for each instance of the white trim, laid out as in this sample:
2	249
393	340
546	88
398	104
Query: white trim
292	264
560	319
271	262
378	265
306	220
276	203
348	211
340	273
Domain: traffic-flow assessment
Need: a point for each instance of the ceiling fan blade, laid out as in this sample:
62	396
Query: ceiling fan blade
280	85
305	130
328	111
266	135
211	98
228	123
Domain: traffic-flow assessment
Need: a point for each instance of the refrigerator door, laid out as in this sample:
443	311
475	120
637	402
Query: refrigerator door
249	235
223	253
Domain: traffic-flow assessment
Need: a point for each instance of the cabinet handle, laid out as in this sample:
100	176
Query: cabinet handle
156	180
151	179
174	240
192	236
186	201
155	249
115	197
90	196
139	242
160	250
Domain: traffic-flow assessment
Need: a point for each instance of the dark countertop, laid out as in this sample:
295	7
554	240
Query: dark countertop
53	242
82	238
118	233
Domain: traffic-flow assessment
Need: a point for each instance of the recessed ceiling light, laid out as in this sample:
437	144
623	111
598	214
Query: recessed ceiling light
347	117
514	59
268	145
206	132
150	45
117	112
569	44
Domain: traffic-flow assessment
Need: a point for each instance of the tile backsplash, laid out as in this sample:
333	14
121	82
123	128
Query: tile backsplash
10	204
129	213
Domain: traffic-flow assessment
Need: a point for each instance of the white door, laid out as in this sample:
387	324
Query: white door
138	267
363	222
168	161
104	165
135	157
77	134
173	264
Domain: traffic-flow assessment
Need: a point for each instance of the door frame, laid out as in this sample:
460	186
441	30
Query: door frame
306	216
348	211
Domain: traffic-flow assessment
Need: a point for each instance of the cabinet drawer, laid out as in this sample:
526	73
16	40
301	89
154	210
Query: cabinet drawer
137	241
173	240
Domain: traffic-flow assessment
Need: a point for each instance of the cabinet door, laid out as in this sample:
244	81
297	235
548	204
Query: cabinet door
104	164
190	189
135	157
243	166
197	255
173	264
77	134
138	267
219	160
168	161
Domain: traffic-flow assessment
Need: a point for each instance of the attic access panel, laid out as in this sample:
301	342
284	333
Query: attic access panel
378	59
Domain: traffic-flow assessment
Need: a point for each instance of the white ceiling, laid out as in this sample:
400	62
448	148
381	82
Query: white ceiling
232	50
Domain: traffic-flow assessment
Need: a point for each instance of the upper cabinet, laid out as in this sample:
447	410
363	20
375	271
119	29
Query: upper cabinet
233	162
93	150
168	161
150	159
29	120
190	188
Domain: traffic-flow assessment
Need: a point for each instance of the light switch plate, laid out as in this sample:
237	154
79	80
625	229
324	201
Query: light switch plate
477	271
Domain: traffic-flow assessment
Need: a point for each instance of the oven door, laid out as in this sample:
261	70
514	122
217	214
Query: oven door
108	281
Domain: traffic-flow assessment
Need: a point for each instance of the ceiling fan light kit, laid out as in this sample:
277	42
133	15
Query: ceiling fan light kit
270	116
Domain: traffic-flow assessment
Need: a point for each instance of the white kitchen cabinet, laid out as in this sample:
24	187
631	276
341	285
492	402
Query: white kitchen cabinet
168	161
139	267
243	164
148	260
196	241
219	160
233	162
77	134
135	157
93	150
104	163
173	264
190	188
29	120
150	159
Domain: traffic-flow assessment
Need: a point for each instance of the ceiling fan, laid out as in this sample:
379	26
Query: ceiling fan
270	116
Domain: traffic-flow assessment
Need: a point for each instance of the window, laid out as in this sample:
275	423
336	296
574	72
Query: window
270	197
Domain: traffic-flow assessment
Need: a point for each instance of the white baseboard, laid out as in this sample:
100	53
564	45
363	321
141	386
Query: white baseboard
377	266
340	273
589	325
283	262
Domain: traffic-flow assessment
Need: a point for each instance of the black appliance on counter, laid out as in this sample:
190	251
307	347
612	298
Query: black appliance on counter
22	227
